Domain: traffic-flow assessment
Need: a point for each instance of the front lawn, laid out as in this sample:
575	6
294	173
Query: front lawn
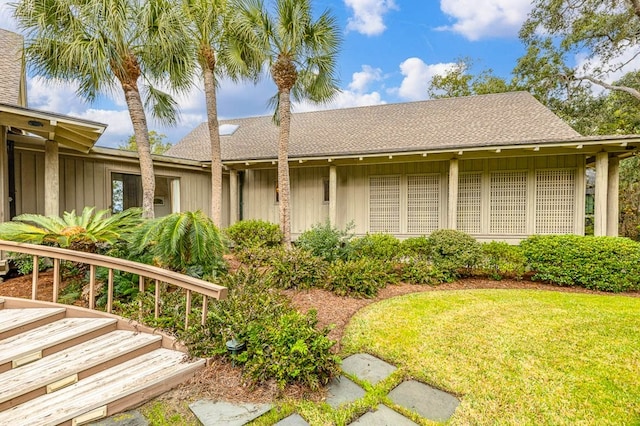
514	356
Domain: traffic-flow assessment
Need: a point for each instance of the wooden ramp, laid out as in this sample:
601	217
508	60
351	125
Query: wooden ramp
68	365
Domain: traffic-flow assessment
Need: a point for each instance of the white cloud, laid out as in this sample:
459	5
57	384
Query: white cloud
360	80
476	19
368	15
417	77
6	16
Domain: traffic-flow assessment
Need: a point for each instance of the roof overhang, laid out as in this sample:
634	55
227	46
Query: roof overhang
73	133
616	145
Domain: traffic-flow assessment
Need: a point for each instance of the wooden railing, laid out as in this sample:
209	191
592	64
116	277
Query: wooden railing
159	275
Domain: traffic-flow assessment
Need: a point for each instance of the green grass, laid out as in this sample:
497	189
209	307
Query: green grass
513	356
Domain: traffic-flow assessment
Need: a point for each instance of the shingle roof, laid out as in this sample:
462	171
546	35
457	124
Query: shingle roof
11	67
474	121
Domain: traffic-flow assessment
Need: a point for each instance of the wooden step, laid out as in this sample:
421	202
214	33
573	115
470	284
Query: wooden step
50	338
76	363
16	321
105	393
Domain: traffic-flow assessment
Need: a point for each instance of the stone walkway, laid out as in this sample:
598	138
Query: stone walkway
413	396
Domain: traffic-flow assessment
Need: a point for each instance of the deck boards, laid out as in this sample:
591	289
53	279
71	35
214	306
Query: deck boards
101	389
85	356
13	319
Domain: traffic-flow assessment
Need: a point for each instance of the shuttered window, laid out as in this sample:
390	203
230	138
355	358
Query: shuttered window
508	203
555	201
384	204
423	203
469	202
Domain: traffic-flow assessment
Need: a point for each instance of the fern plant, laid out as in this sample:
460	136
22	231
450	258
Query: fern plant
84	232
187	242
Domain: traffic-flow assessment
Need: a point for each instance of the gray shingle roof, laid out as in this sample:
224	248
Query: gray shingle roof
11	66
474	121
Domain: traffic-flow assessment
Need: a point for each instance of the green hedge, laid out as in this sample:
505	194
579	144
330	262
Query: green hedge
254	233
597	263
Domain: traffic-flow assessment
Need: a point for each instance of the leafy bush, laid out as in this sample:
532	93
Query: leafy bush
416	248
23	263
281	343
453	252
186	242
327	242
499	260
359	278
597	263
257	257
422	271
375	246
254	233
297	268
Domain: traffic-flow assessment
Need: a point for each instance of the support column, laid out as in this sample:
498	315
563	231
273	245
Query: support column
613	210
333	193
452	216
233	196
602	177
4	176
51	179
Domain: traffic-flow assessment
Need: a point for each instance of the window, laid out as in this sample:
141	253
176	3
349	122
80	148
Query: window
508	203
555	201
126	192
277	192
384	204
423	206
469	202
325	190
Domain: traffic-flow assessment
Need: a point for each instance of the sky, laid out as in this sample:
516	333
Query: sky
391	49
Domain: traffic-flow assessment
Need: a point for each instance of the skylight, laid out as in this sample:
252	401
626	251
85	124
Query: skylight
227	129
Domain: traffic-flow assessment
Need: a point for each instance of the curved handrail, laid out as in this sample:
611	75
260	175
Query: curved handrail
190	284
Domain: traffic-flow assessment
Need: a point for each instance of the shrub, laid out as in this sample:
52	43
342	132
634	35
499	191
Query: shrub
257	257
422	271
254	233
453	252
297	268
416	248
597	263
23	263
326	241
281	343
499	260
359	278
375	246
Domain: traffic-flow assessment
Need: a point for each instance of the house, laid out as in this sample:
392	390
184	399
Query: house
49	162
499	167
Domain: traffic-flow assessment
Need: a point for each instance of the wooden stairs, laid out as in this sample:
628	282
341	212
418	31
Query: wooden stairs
67	365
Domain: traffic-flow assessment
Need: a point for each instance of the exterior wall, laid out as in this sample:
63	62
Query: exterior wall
354	187
87	182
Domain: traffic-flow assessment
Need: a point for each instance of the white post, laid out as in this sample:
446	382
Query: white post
233	196
613	212
51	179
333	191
602	184
452	217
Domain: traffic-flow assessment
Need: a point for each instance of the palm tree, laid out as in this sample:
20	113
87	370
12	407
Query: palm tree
101	44
218	50
301	53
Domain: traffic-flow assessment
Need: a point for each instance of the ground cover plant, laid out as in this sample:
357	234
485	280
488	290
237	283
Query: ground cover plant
514	356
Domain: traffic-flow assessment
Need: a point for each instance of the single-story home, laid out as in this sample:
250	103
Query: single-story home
500	167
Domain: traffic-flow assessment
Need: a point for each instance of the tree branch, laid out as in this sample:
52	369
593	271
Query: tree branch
636	7
630	90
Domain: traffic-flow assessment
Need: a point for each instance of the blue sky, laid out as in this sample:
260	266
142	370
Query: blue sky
391	50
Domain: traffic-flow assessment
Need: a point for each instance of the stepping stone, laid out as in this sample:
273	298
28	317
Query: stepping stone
129	418
292	420
383	416
429	402
342	391
224	413
367	367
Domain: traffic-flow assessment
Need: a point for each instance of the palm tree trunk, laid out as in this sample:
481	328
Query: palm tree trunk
283	166
141	132
214	135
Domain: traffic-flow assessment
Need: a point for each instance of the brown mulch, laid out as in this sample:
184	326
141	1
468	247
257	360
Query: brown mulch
222	381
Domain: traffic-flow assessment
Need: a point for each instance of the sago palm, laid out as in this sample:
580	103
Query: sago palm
301	53
105	44
219	51
82	232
